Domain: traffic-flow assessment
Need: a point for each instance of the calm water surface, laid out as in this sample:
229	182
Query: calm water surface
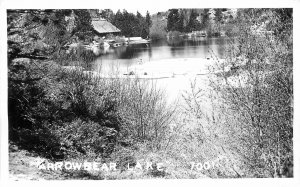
123	57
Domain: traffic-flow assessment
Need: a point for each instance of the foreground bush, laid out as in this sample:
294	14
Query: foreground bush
66	113
252	103
145	111
57	105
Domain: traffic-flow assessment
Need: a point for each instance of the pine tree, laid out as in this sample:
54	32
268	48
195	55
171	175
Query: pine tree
148	23
205	19
173	18
218	18
193	23
148	19
180	23
107	14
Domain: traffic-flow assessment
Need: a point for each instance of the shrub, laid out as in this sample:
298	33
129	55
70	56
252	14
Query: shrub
86	138
69	105
250	117
48	106
145	112
263	105
79	55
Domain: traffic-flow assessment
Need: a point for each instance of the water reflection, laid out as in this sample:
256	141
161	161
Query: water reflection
126	56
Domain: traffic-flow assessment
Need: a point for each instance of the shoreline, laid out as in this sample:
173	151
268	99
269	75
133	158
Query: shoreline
156	69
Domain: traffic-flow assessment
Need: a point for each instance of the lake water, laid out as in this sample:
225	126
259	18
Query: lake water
174	64
124	57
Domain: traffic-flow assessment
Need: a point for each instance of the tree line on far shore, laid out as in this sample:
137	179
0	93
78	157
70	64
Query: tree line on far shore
130	24
214	21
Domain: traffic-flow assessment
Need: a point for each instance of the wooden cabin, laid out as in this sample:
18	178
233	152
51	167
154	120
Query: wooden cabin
103	27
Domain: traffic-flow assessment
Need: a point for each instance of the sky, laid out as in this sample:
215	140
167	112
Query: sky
142	10
153	6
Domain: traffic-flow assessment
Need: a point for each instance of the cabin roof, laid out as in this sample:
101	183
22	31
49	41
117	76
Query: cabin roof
103	26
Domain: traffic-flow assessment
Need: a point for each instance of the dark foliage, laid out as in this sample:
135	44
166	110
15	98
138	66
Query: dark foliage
132	25
45	100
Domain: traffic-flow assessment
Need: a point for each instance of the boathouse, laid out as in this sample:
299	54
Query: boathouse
103	27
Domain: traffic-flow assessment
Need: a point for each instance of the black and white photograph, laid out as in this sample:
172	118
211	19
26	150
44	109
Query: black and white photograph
146	92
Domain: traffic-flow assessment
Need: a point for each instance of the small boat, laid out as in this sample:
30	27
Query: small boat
116	44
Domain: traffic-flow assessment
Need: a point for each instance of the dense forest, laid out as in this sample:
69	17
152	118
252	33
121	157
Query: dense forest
129	23
60	113
214	21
